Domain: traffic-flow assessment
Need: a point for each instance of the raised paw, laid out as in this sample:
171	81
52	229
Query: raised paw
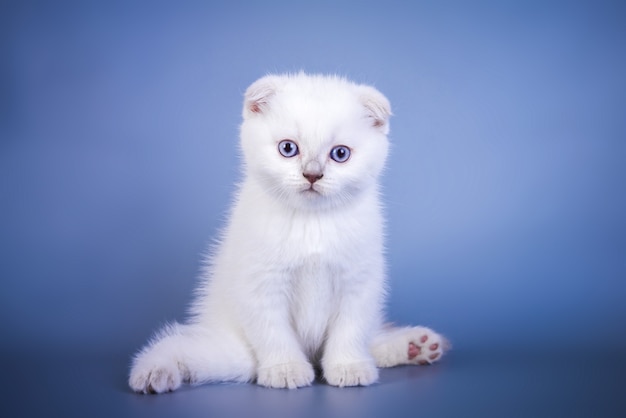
286	375
352	374
426	347
407	345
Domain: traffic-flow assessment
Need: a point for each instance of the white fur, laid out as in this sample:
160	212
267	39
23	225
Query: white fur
298	278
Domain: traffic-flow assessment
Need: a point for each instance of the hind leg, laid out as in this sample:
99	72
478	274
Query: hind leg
190	354
408	345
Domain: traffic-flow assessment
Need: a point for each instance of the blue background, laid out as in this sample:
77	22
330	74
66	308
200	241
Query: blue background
505	191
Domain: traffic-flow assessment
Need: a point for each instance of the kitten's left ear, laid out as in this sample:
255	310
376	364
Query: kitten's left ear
377	106
258	95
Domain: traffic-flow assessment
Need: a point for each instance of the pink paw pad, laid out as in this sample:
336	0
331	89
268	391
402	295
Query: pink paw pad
414	351
424	354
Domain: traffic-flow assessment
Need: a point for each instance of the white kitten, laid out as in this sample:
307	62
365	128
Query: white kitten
298	278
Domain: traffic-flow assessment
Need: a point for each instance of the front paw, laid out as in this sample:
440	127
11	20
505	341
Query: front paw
362	373
286	375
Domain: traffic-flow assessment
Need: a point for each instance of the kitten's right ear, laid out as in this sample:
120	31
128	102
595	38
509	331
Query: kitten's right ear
258	95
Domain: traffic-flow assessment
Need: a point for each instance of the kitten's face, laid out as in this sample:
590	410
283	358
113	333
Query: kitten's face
314	142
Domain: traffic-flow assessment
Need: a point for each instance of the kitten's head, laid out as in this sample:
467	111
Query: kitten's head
314	141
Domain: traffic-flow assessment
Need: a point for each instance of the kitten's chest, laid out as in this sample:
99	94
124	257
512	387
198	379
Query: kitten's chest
317	243
281	240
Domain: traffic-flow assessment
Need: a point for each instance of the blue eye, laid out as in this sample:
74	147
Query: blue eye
340	153
288	148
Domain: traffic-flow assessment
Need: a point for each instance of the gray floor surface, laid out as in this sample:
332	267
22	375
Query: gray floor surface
468	383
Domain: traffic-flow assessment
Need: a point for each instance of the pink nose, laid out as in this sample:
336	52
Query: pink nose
312	177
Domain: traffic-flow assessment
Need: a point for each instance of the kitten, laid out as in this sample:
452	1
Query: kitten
297	281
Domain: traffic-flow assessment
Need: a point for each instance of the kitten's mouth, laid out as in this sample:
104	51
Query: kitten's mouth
311	191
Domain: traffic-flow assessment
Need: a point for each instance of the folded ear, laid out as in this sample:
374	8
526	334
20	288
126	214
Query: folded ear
377	107
259	94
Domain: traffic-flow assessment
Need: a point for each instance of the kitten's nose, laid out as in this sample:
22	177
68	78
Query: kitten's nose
312	171
312	177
